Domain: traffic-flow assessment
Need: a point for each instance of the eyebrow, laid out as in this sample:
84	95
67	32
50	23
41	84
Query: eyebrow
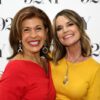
30	27
66	23
69	22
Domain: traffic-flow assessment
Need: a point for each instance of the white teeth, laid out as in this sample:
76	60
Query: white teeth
67	36
34	43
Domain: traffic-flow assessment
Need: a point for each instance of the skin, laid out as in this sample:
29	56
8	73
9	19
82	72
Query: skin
33	38
69	36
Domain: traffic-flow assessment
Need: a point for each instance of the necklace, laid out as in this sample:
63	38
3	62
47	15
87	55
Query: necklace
65	81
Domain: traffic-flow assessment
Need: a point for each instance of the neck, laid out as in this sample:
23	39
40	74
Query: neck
74	53
35	58
27	56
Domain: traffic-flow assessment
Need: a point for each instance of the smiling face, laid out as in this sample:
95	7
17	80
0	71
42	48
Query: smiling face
33	35
67	32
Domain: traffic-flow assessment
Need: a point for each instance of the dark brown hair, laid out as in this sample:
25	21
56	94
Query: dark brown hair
16	26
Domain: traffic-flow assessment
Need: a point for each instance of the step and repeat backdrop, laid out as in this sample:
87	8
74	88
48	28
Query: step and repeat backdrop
89	9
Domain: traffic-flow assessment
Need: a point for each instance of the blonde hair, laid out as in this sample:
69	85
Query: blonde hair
59	50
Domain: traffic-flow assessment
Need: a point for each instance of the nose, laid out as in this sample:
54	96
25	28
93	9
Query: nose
65	29
33	33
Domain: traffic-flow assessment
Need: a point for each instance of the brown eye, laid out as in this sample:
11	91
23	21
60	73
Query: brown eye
58	28
70	24
26	30
38	28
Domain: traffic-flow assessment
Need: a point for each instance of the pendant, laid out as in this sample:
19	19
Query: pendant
65	80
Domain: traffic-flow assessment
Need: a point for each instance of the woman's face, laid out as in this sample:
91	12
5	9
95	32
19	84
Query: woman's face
67	32
33	35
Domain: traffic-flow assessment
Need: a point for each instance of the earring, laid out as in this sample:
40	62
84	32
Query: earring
45	49
20	47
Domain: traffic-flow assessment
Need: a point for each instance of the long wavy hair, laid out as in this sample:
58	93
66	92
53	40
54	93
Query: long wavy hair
59	50
16	27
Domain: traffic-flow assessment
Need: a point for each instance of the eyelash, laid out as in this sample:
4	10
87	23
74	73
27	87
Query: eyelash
26	30
59	28
37	29
70	24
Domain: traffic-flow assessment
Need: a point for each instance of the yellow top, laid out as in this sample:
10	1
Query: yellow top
83	80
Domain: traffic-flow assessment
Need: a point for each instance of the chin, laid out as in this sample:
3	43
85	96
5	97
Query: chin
36	50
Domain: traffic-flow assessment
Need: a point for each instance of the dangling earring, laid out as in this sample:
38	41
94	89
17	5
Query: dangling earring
45	49
20	47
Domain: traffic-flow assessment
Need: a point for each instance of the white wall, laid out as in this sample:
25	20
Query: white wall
89	9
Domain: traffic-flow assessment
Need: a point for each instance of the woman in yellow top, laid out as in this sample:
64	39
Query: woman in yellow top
75	73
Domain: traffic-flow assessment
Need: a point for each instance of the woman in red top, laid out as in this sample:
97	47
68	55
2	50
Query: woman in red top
27	75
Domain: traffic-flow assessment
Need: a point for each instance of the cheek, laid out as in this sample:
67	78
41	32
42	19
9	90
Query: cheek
44	36
79	35
59	35
25	36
